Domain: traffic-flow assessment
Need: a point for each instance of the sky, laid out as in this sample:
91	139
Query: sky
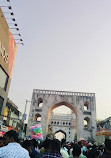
67	47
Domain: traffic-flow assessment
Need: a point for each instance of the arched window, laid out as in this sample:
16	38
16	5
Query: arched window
86	106
37	118
86	123
40	102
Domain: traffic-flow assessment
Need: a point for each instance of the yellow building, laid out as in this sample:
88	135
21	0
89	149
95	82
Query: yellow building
8	51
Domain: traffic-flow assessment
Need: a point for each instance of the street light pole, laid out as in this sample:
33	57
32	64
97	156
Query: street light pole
25	106
24	115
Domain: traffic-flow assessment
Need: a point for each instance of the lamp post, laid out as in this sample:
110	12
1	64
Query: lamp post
15	29
13	19
17	34
11	13
9	7
24	115
13	24
19	39
27	101
20	43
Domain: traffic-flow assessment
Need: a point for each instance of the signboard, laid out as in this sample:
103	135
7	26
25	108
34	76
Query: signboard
104	132
6	111
24	116
12	53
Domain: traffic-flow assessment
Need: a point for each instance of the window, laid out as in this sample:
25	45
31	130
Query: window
86	106
3	79
86	123
1	104
37	117
40	102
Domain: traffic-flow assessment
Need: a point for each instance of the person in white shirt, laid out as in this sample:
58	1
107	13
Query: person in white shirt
12	148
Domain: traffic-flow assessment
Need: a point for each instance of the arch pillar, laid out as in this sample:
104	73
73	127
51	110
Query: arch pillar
44	120
80	122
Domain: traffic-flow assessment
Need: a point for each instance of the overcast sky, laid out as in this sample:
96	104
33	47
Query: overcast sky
67	47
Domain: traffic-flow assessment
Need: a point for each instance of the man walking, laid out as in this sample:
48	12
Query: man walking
12	148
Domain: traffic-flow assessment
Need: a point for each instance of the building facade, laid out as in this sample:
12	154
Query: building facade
83	105
8	51
12	118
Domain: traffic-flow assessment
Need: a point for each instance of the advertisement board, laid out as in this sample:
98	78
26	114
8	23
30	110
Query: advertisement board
24	116
12	53
6	111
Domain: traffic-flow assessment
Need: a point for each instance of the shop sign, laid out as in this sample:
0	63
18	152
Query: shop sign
6	111
4	128
24	116
3	53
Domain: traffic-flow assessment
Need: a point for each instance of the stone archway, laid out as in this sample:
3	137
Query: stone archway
72	124
72	107
73	100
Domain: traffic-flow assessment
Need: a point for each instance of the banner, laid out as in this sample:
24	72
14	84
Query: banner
12	53
104	132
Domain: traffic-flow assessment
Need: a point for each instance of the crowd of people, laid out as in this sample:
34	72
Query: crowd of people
11	147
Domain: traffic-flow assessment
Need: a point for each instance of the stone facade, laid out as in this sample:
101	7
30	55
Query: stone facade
64	123
82	104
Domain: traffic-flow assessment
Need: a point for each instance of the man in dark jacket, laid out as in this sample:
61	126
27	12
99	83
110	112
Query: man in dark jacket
107	153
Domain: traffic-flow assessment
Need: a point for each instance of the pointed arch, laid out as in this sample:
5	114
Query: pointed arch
37	117
72	107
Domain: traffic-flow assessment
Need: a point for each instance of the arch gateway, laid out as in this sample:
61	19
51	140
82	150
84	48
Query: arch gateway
83	105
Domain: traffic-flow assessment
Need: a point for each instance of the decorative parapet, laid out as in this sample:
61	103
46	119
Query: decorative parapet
64	93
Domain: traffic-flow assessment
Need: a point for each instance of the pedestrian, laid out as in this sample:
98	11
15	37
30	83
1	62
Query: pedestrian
12	148
54	150
77	151
107	153
34	153
1	142
46	146
64	150
28	146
